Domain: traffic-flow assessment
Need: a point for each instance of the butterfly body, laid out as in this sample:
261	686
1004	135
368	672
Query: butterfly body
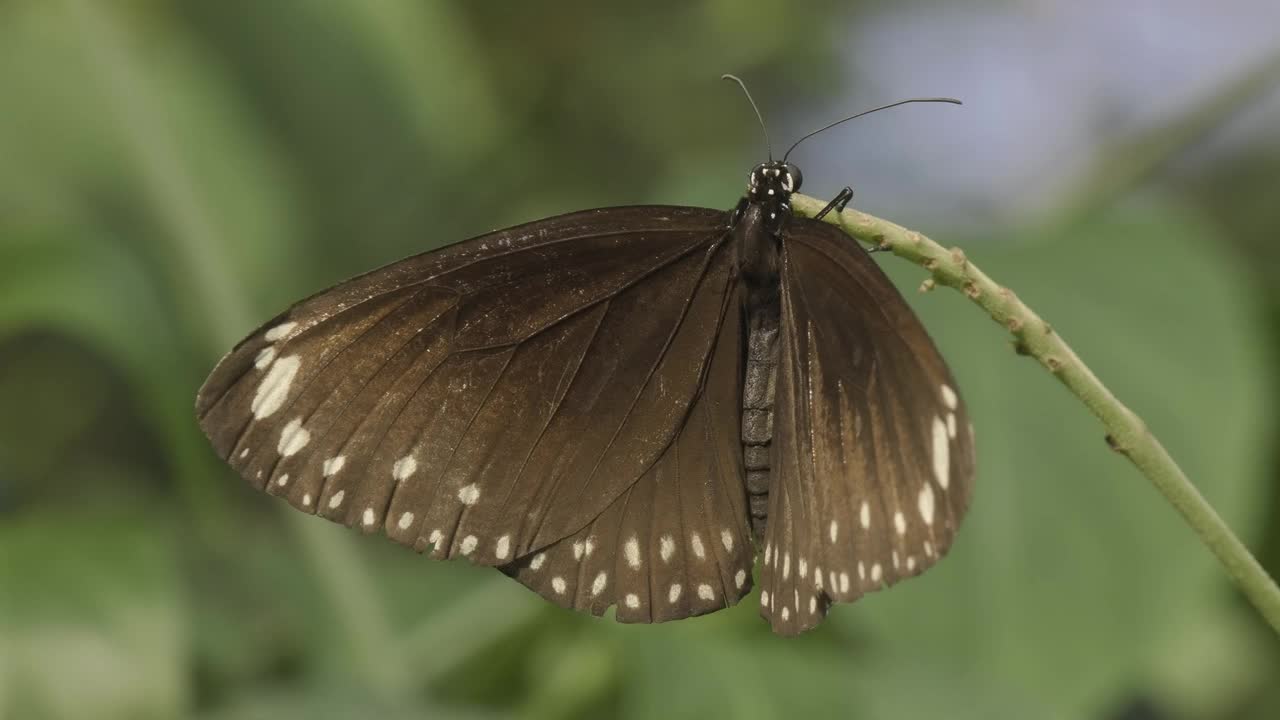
619	408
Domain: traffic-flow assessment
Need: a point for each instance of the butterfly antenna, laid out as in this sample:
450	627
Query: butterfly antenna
953	101
759	117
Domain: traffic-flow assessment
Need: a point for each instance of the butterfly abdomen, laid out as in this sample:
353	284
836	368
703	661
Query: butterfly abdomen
757	407
755	239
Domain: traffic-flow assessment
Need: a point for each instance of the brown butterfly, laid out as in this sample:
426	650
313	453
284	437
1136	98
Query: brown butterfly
620	407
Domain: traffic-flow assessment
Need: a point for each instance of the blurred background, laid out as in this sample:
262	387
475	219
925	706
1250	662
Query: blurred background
172	173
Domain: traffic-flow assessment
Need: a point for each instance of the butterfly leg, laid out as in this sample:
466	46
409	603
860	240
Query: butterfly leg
836	203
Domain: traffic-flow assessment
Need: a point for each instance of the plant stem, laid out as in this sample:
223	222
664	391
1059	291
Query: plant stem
1127	434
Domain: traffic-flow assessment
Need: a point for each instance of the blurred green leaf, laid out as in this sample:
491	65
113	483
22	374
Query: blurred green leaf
65	161
92	618
80	282
329	703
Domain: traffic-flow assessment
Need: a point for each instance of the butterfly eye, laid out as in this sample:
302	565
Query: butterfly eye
792	178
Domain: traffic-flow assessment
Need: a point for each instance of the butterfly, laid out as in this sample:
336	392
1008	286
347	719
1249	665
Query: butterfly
620	407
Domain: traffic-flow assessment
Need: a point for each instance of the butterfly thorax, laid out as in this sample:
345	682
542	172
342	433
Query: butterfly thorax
757	227
759	218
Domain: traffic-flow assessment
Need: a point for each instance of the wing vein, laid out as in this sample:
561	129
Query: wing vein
713	249
577	372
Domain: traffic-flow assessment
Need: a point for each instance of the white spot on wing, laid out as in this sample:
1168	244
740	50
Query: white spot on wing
817	577
949	396
876	572
786	613
926	503
696	541
336	499
333	465
589	545
557	584
280	331
404	467
764	598
274	388
469	494
368	518
768	552
597	586
864	515
705	592
951	425
283	480
405	521
469	544
264	357
740	578
536	563
633	601
726	537
632	551
577	550
835	530
306	499
666	547
941	453
844	582
293	438
900	522
786	565
804	568
674	593
435	537
813	604
503	547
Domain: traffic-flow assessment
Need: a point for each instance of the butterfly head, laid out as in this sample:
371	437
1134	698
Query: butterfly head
773	182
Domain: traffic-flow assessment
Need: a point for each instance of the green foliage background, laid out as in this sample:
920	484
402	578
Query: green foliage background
171	173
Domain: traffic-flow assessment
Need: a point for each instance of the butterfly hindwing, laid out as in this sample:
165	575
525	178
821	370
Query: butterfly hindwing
676	543
873	449
501	396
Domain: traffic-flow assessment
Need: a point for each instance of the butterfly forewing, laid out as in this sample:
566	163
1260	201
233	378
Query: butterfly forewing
491	398
872	448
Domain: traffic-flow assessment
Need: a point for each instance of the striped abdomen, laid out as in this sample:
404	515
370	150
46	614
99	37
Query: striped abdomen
757	410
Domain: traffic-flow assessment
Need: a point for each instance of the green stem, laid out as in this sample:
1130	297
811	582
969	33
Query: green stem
1127	434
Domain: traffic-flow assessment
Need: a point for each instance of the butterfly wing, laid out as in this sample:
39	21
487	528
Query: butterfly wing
501	395
872	447
677	542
